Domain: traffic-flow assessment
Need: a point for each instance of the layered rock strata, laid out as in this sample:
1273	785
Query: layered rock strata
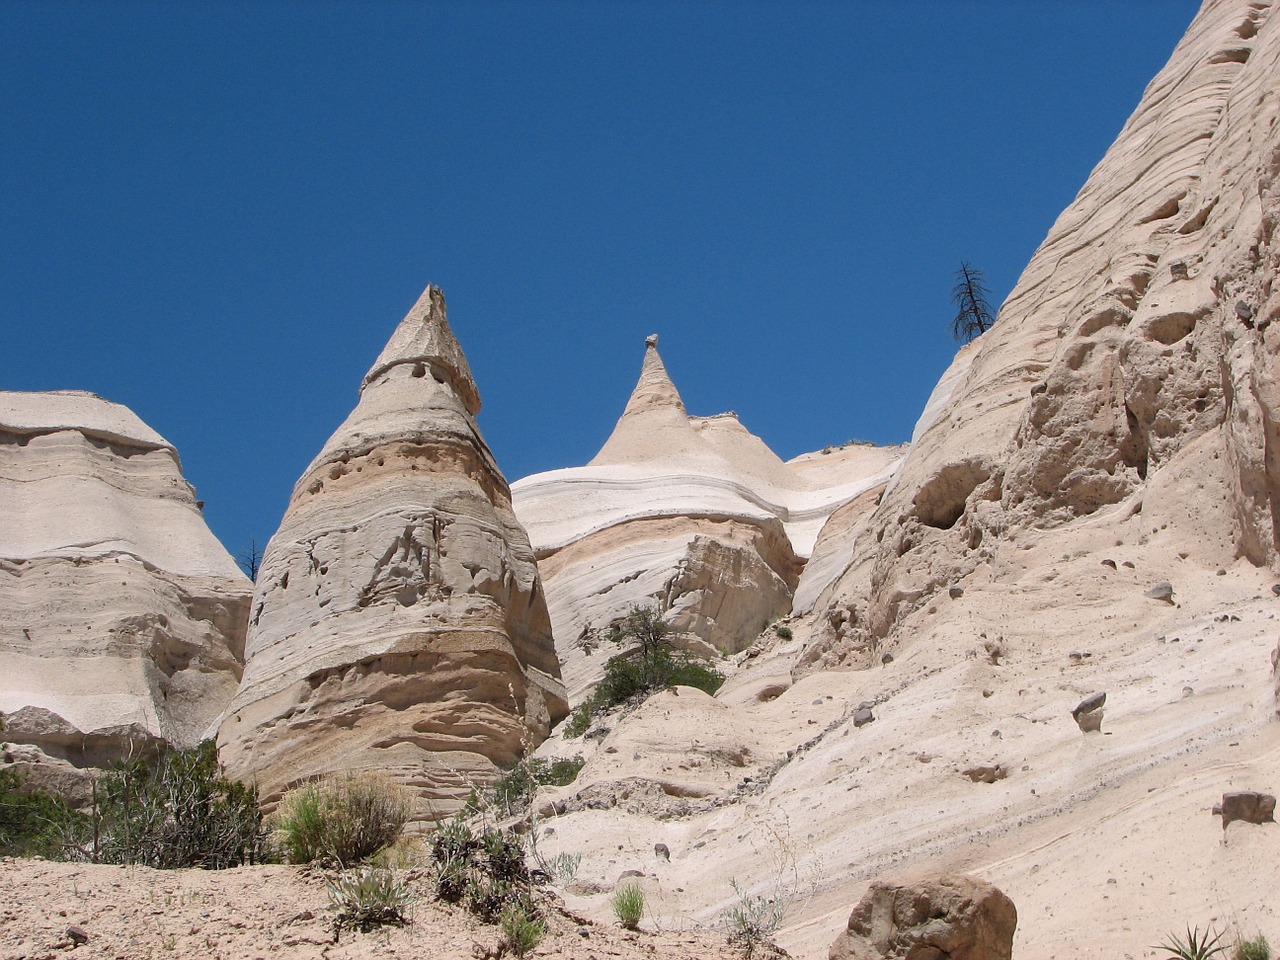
398	623
122	618
1133	367
693	514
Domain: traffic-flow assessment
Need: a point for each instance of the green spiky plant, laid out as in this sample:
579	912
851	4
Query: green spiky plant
628	905
1197	946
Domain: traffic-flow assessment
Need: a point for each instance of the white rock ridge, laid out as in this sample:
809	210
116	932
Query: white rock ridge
122	618
398	623
1112	432
1134	365
693	514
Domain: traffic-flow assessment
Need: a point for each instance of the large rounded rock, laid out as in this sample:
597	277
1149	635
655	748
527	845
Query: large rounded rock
951	917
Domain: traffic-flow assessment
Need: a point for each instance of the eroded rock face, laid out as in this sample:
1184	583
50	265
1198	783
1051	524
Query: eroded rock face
1134	365
398	623
694	515
952	917
122	618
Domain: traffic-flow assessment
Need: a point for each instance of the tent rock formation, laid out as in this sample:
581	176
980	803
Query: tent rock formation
398	623
692	514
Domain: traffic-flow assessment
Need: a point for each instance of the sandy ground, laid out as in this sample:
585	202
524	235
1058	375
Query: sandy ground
275	912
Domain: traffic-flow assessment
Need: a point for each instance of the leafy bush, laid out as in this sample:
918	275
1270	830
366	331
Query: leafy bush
367	898
753	920
628	905
486	872
521	930
1197	946
784	633
579	720
34	823
651	666
514	791
1255	949
174	811
342	820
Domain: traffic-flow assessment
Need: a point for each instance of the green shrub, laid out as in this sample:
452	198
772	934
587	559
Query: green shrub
367	898
579	720
1197	946
628	905
785	633
176	810
343	819
651	665
34	823
1255	949
515	789
521	930
486	871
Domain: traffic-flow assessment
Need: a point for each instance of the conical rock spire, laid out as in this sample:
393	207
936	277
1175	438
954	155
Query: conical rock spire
654	388
424	339
398	620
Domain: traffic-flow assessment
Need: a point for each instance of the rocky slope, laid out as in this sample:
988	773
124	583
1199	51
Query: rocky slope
398	622
122	618
693	514
1088	507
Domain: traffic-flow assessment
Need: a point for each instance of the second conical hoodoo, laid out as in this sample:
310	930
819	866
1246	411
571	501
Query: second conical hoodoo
398	623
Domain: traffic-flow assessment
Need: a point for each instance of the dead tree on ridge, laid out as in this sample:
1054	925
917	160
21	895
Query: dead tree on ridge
973	313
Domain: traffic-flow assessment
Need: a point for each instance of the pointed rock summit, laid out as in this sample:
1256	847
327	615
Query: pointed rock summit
695	515
423	339
398	623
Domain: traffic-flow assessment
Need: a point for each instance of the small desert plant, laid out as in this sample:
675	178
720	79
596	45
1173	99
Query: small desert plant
342	819
753	920
628	905
1255	949
175	810
367	898
1197	946
34	823
579	720
784	633
514	791
522	930
486	871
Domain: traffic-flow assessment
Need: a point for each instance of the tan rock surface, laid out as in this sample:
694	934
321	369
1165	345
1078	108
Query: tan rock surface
398	622
1133	362
1092	445
952	917
692	514
122	618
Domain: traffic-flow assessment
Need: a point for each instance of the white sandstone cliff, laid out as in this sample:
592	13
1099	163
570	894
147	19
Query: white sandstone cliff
122	618
1110	440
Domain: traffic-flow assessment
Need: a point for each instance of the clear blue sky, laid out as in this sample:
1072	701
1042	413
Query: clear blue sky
216	213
